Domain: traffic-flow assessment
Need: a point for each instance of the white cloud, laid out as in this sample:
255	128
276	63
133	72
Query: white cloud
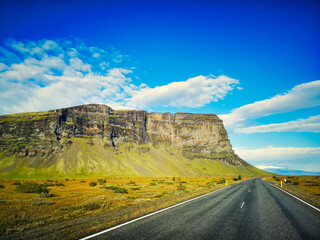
46	74
96	55
3	67
52	74
268	167
302	96
194	92
278	153
311	124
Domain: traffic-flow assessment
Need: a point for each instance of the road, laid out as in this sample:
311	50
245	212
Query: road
249	210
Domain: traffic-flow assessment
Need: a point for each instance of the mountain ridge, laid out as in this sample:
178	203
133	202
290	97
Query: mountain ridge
96	140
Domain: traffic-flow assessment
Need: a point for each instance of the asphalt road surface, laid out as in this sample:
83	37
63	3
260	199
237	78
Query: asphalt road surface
249	210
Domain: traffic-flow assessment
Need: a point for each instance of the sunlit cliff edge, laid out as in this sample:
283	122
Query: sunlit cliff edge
96	141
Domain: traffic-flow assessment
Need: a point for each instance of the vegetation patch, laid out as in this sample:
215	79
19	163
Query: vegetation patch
38	202
181	187
16	183
29	215
102	181
93	184
59	184
117	189
32	187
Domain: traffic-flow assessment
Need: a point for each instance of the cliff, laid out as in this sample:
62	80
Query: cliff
88	139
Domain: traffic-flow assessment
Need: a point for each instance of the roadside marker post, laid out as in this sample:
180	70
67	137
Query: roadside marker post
281	183
226	183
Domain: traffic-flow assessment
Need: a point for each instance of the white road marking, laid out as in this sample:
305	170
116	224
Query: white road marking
242	205
294	196
150	214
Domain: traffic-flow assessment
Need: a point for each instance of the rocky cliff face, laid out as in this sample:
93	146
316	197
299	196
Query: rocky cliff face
197	136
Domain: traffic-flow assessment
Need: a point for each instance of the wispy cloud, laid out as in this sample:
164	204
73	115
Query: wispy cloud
268	167
302	96
50	74
47	74
277	153
311	124
194	92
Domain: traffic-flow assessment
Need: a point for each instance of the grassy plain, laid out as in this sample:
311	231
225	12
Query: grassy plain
304	187
76	207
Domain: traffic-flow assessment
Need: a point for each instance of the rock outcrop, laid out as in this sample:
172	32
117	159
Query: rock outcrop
197	136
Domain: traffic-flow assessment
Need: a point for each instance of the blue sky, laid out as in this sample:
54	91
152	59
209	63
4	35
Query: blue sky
254	63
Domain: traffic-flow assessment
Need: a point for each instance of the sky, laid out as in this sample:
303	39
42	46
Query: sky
253	63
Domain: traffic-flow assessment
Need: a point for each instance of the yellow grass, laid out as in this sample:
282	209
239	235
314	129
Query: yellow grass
304	187
86	209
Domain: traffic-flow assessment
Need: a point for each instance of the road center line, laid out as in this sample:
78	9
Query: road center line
242	205
150	214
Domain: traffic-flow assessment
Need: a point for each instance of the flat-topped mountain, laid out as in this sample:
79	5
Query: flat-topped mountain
96	141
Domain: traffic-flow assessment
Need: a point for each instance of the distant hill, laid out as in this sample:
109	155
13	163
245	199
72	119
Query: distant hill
96	141
291	172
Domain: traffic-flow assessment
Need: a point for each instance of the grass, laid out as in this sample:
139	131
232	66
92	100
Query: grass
126	160
23	117
32	187
77	204
304	187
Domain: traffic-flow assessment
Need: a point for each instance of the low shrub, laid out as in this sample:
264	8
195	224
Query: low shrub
135	189
60	184
16	183
2	186
117	189
101	181
45	195
88	206
93	184
38	202
132	182
169	183
100	198
91	206
209	184
49	184
181	187
120	190
275	178
159	196
295	183
32	187
153	184
235	179
82	181
222	181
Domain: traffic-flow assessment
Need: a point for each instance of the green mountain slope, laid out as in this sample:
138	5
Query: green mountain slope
91	158
95	140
